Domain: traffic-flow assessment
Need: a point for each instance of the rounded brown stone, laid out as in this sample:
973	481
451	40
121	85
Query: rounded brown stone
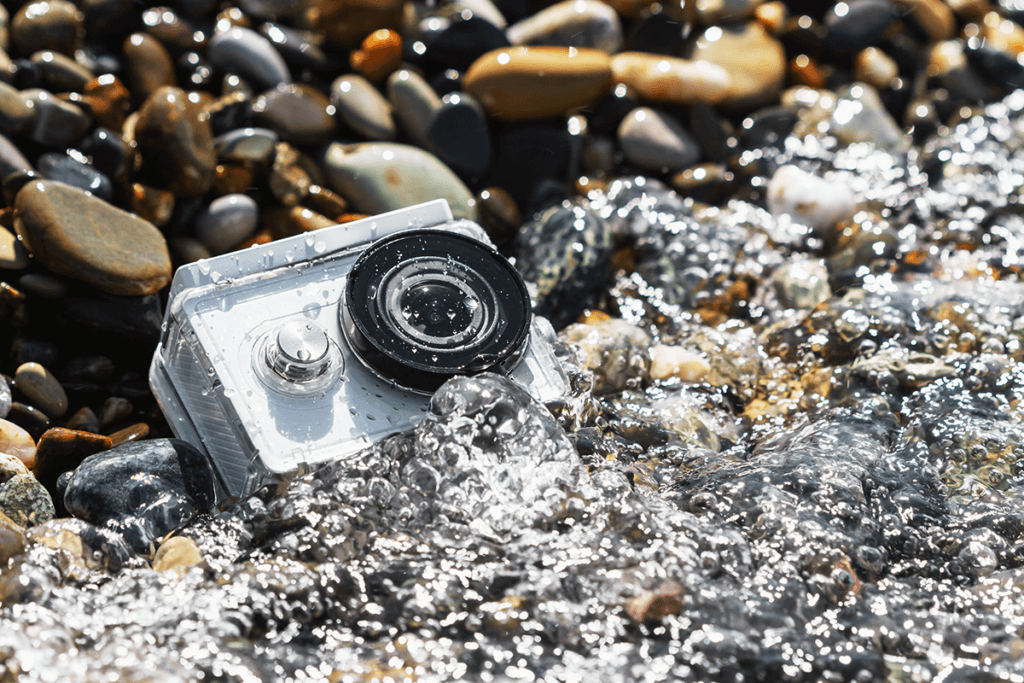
658	78
47	25
297	112
754	60
521	83
176	142
73	233
148	64
42	389
347	22
61	450
294	221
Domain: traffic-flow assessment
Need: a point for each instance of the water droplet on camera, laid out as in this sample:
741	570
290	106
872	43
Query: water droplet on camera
320	247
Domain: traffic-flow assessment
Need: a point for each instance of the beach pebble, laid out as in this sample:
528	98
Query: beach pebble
11	159
520	83
176	142
227	221
654	140
62	73
617	352
660	78
114	409
753	59
460	137
809	199
572	23
801	284
60	167
297	112
177	554
31	419
56	123
15	112
61	450
246	144
861	116
380	177
873	66
674	361
362	107
139	489
13	255
17	442
5	397
711	12
148	64
50	25
245	52
857	24
414	103
41	388
73	233
24	500
84	420
10	467
379	55
12	539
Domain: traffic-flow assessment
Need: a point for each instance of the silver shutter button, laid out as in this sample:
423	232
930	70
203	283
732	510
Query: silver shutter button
300	351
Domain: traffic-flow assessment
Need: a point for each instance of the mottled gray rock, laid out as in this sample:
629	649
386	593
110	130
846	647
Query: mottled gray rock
24	500
227	221
414	102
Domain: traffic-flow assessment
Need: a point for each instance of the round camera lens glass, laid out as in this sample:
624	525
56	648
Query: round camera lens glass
424	305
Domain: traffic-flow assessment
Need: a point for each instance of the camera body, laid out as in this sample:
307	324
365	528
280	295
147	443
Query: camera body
282	356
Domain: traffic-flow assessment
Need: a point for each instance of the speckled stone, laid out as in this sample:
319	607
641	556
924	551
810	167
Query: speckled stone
380	177
654	140
414	102
17	442
50	25
521	83
227	221
10	467
176	142
25	501
148	64
298	113
659	78
244	52
572	23
42	389
75	234
362	107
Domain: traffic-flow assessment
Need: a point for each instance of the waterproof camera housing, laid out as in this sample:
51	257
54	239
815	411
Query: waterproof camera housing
282	356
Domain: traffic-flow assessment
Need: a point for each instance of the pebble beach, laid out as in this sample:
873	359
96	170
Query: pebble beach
781	248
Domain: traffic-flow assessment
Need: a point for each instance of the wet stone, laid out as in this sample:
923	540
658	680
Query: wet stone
460	137
378	177
325	202
15	113
148	64
414	103
858	25
174	32
75	234
289	180
28	350
5	397
62	450
378	56
115	409
84	548
245	52
151	204
300	49
17	442
10	467
25	501
362	107
107	100
659	78
294	221
572	23
875	67
246	144
13	255
135	432
56	123
654	140
177	554
44	286
298	113
51	25
176	143
455	41
11	159
809	199
617	352
62	73
226	222
110	153
65	169
869	122
753	59
803	284
565	252
84	420
42	389
136	489
12	540
522	83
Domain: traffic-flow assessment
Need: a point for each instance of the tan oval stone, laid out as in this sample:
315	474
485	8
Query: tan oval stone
17	442
657	78
41	388
873	66
177	553
1002	34
934	16
522	83
755	62
675	361
13	255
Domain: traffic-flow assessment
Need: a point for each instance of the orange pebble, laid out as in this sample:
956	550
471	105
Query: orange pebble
379	55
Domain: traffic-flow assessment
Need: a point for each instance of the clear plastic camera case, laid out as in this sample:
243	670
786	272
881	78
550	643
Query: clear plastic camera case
276	306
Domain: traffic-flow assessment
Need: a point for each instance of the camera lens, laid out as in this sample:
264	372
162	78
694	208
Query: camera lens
424	305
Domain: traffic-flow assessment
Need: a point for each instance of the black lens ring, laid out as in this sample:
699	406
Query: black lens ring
395	356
